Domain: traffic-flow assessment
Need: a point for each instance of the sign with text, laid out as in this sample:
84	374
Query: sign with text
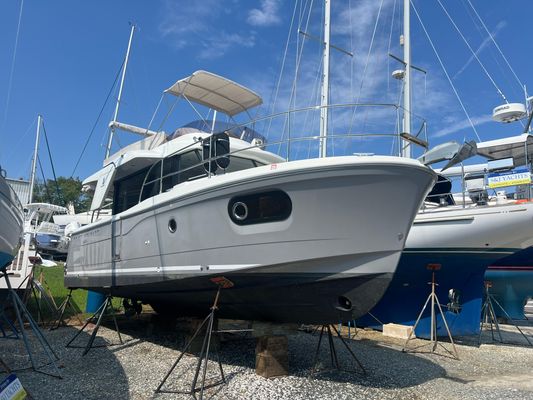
11	389
519	176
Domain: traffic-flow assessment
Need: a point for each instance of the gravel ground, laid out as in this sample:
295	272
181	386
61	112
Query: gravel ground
133	370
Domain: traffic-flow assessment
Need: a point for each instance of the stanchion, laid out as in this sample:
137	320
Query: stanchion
434	341
97	316
332	351
488	316
203	359
21	314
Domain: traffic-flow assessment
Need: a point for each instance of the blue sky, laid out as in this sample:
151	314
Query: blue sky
68	54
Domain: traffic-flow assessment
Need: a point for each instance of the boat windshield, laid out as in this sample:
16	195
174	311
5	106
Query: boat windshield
163	175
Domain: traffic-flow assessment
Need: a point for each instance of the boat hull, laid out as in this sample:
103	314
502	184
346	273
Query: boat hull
474	239
342	234
11	220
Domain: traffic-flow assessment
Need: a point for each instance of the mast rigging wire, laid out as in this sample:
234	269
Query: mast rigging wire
445	72
44	181
10	84
366	67
59	195
472	51
496	44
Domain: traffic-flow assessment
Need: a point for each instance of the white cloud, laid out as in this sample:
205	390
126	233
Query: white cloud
194	25
463	124
484	44
265	16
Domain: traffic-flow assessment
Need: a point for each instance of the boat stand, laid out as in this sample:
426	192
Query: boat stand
36	288
22	313
488	316
332	351
208	324
434	341
97	316
67	303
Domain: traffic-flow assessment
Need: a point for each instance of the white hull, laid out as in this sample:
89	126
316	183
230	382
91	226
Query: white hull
342	226
10	222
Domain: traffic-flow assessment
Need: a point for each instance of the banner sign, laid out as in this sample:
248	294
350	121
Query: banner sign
11	389
519	176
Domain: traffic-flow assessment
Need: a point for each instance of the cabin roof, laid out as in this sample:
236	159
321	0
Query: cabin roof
215	92
510	147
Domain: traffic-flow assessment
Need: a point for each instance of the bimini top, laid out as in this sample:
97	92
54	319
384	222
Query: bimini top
216	92
516	147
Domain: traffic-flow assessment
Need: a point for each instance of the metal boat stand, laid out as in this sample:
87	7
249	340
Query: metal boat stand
97	316
332	351
208	324
434	341
488	316
67	303
22	313
36	288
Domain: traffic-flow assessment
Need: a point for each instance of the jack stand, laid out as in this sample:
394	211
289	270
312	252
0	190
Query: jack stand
488	316
332	351
202	359
434	341
98	315
41	295
62	308
22	312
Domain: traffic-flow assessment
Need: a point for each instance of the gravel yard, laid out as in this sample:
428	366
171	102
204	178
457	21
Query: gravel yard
133	370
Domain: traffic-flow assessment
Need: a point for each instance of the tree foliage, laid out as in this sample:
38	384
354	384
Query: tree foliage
67	190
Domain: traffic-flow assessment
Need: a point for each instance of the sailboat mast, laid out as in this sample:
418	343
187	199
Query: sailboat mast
324	97
34	162
115	116
406	147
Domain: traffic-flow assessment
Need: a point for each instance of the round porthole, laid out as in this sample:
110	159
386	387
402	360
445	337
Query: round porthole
172	225
240	211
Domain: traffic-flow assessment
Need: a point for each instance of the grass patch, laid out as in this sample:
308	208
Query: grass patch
52	279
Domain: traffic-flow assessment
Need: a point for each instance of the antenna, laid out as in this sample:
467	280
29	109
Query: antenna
115	116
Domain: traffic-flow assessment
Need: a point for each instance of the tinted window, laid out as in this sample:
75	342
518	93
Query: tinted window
260	208
127	190
238	164
180	168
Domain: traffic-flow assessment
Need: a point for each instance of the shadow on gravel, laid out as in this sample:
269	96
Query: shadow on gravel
386	367
96	375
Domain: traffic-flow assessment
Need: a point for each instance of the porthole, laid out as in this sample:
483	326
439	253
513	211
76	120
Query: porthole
260	208
240	211
172	225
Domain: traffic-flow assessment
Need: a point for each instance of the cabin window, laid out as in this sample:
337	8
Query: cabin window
239	164
259	208
180	168
127	190
152	183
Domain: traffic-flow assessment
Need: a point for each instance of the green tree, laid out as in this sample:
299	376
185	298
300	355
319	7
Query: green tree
67	190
